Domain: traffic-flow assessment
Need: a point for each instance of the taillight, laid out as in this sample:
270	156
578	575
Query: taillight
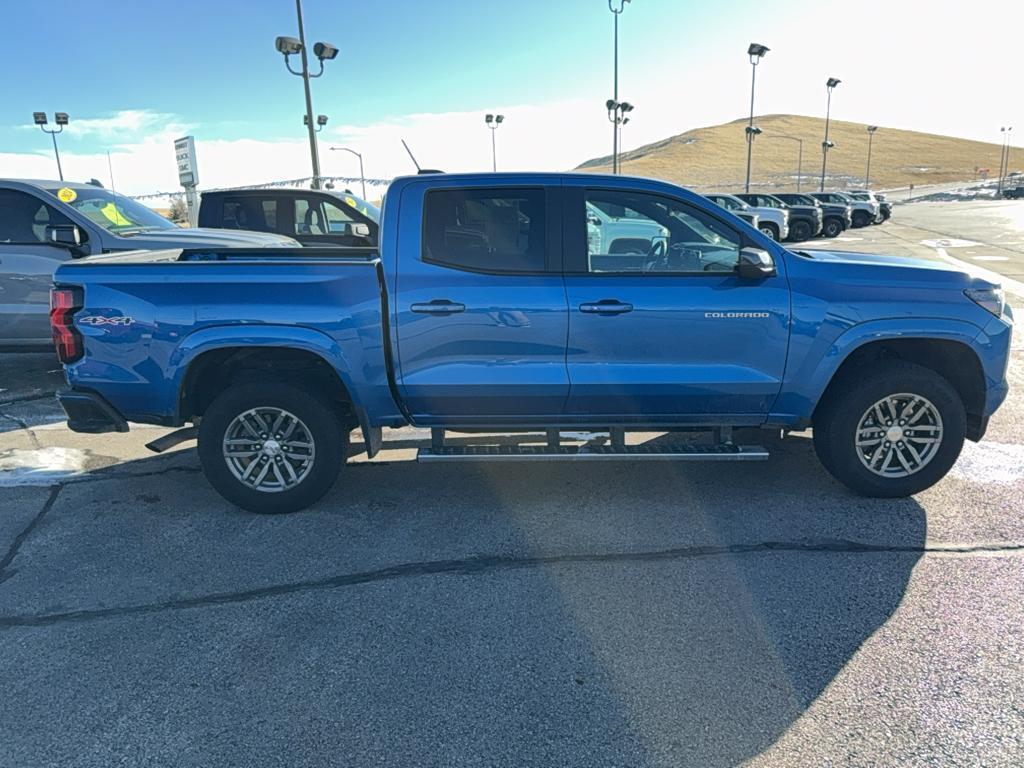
64	302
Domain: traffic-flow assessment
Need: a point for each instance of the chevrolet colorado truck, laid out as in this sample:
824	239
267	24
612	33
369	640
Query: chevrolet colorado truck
863	212
45	223
488	309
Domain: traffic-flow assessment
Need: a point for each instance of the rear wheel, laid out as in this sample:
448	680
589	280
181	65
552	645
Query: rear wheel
769	230
832	228
893	432
800	230
271	447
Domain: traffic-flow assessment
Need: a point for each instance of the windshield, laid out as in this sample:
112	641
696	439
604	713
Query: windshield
115	213
859	195
364	207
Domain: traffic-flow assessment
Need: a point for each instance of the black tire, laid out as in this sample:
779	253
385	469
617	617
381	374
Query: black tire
769	230
799	231
838	416
317	417
832	228
861	218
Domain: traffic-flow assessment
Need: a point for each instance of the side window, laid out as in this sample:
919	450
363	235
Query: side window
24	218
485	230
338	219
309	218
234	215
631	232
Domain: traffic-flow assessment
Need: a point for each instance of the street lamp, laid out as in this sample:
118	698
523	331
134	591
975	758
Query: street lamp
321	121
493	121
617	111
615	83
324	52
61	119
362	176
799	156
826	145
756	52
867	173
1004	156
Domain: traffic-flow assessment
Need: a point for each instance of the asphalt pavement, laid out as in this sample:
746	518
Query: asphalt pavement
627	614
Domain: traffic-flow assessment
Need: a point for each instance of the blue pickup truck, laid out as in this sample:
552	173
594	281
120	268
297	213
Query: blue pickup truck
491	307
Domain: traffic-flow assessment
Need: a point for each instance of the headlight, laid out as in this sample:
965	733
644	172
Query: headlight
991	299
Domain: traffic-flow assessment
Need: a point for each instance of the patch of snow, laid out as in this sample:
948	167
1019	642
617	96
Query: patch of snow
42	466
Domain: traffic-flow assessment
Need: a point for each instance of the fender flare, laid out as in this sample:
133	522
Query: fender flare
215	337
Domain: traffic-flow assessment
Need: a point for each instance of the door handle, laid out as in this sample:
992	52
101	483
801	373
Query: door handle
438	307
606	307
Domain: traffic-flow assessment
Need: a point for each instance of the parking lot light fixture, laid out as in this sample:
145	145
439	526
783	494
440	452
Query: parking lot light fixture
616	7
288	46
493	121
61	119
362	174
867	172
756	52
826	145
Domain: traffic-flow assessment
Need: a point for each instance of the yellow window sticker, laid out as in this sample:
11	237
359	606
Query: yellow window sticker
116	217
351	202
66	195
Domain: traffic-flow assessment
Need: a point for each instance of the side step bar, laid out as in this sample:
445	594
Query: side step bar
665	452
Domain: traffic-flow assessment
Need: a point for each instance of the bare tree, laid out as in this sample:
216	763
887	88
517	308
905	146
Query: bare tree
179	211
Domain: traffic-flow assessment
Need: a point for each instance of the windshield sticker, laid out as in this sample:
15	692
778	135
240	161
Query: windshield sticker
66	195
115	216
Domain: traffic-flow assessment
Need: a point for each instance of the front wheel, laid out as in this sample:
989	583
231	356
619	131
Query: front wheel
800	231
832	228
769	230
271	447
861	218
890	433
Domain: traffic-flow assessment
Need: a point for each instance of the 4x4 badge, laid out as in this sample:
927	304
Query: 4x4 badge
100	320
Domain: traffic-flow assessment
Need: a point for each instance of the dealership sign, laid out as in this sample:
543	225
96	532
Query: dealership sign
185	156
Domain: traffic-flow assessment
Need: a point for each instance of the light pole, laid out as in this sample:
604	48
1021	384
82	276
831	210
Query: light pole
615	80
323	52
61	119
493	121
1004	157
799	156
755	51
616	115
362	176
867	173
826	145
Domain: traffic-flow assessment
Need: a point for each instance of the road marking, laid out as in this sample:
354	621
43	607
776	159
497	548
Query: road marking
991	258
947	242
848	239
1009	284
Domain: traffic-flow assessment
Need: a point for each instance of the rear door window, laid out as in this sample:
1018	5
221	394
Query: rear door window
24	217
486	230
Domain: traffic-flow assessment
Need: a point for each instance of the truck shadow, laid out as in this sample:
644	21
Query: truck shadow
612	614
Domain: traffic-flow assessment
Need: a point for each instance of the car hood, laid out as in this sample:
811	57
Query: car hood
201	237
911	267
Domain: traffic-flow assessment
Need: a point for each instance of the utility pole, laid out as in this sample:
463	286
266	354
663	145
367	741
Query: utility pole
615	81
826	145
867	173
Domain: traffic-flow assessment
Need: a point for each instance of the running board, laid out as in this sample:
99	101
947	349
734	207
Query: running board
664	452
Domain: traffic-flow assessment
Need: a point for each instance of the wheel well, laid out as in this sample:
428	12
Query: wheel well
214	371
954	361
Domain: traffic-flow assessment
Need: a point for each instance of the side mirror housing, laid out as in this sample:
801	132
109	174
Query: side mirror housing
68	236
360	230
755	264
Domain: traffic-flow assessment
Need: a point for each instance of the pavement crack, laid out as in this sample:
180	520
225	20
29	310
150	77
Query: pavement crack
12	552
484	565
22	424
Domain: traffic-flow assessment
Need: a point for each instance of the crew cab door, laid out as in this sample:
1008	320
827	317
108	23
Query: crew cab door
664	327
480	305
27	263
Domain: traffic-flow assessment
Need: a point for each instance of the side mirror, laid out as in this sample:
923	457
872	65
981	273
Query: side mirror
592	220
67	236
360	230
755	264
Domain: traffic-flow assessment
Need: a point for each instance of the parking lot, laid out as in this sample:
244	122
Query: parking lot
510	614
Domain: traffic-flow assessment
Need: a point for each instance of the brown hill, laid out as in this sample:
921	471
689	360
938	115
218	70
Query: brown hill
716	157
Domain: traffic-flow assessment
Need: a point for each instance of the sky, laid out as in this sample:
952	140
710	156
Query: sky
136	74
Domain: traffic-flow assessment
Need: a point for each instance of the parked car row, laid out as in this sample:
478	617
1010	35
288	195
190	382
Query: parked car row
798	217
